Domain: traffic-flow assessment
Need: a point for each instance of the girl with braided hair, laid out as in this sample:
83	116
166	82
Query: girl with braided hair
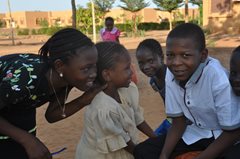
114	115
27	81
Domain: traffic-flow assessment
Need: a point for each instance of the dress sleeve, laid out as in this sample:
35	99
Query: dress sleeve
110	133
131	95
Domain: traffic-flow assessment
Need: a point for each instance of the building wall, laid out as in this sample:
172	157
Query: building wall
61	18
31	19
222	15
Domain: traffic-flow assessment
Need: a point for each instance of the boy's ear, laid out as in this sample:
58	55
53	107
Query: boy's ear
106	75
204	55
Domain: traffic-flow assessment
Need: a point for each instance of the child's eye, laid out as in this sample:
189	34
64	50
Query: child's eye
186	55
150	61
169	55
85	69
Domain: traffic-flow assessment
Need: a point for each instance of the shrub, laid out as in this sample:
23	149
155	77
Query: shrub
23	32
52	30
42	31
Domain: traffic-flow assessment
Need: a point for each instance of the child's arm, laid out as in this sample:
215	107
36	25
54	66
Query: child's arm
117	39
32	145
173	136
130	146
225	140
146	129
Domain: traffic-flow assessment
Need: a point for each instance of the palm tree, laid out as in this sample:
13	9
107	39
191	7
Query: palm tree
169	6
104	5
134	6
74	24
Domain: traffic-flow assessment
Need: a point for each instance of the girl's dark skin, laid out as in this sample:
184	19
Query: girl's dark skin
117	77
79	72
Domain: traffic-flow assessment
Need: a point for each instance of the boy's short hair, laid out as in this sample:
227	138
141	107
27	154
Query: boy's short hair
236	50
189	30
109	19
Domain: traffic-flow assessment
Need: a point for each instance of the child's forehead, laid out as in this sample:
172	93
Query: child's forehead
109	21
235	58
182	42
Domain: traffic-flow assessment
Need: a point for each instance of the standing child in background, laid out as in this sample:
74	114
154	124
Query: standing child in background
150	59
110	32
112	119
197	89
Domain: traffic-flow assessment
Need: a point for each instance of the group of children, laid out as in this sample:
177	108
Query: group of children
202	100
203	107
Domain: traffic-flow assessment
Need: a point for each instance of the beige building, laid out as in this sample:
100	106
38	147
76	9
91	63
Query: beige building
32	19
222	15
150	15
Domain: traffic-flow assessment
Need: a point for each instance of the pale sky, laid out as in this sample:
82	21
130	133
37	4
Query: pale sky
46	5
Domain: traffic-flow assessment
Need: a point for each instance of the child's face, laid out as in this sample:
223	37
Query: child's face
148	62
234	77
120	74
80	71
183	57
109	25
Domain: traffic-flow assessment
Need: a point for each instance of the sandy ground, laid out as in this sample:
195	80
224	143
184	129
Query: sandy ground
67	133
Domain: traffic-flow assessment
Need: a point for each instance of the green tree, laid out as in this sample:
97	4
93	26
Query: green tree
104	6
169	6
74	10
134	6
84	17
199	3
43	23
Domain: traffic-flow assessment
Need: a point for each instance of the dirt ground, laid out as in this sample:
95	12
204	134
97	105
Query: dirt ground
67	133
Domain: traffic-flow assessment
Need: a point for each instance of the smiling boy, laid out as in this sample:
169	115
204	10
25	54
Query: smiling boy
197	91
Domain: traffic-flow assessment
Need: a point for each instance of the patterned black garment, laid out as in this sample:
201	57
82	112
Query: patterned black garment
23	88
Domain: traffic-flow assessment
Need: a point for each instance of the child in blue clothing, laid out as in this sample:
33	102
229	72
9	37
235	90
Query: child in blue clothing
197	89
150	59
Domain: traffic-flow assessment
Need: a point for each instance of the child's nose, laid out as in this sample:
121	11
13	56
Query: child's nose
177	60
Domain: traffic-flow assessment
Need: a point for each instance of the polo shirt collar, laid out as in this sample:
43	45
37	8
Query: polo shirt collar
197	74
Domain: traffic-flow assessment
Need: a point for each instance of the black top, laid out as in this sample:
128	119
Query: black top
23	87
161	89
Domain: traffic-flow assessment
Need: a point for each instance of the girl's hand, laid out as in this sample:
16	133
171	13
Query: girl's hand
88	96
36	149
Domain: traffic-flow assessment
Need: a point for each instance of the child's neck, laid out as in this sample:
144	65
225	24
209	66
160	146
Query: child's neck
112	92
161	73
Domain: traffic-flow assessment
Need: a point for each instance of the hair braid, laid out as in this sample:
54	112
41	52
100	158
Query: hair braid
108	55
64	44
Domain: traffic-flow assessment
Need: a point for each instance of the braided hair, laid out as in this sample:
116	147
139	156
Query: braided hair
109	54
153	45
189	30
63	45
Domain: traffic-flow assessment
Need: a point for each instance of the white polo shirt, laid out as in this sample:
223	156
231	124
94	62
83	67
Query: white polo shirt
205	101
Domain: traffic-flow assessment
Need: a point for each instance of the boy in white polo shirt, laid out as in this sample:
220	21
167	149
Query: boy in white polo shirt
198	99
